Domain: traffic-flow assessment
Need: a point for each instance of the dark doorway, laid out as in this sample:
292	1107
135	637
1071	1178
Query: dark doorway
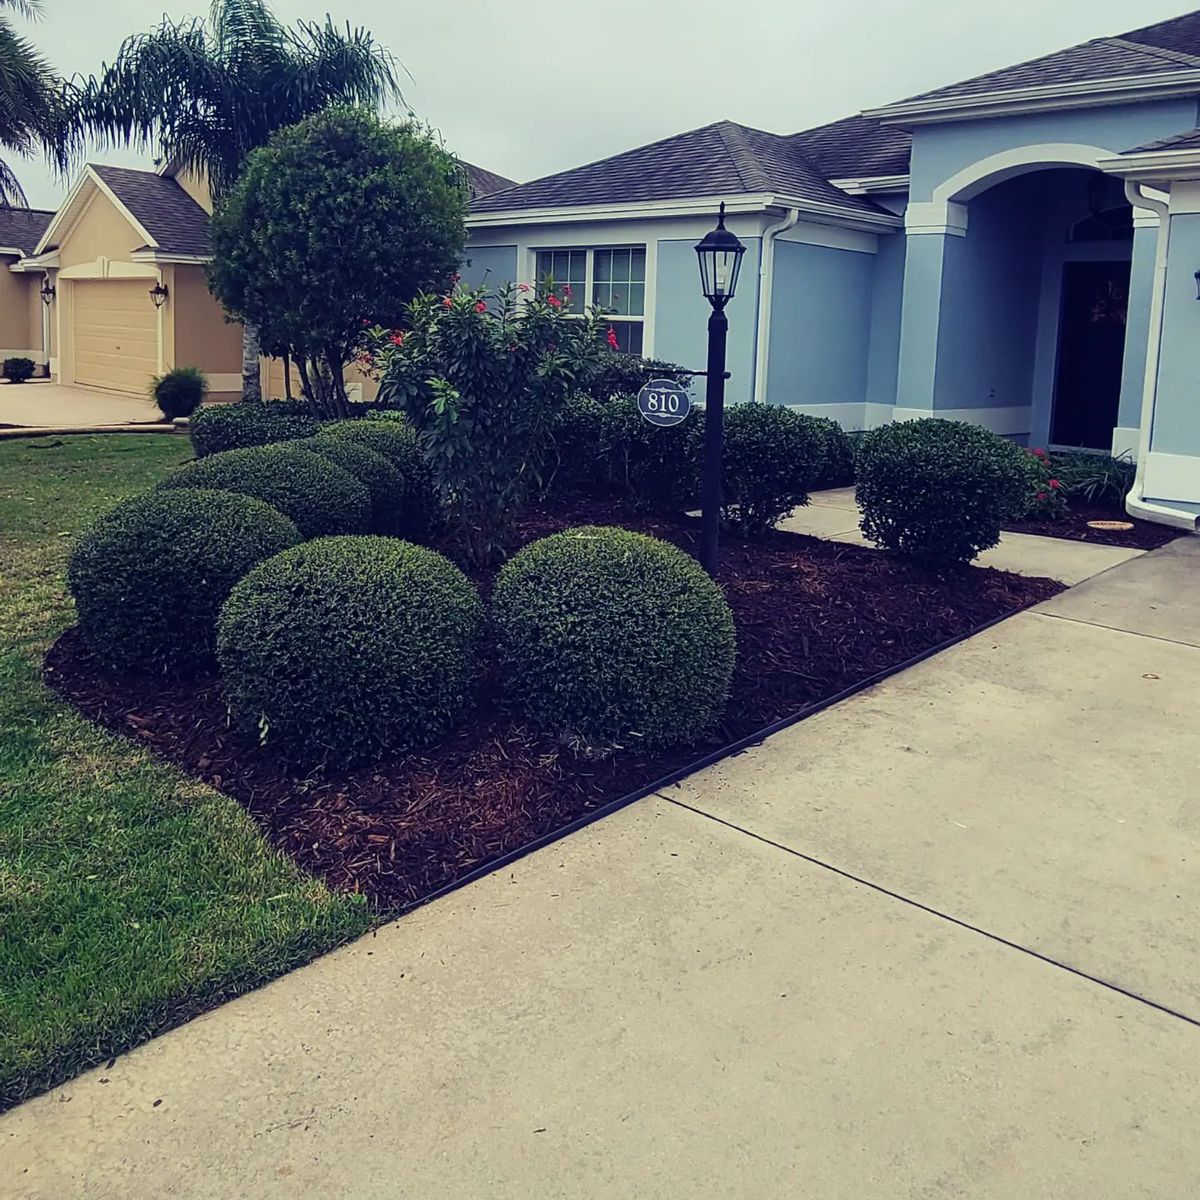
1091	345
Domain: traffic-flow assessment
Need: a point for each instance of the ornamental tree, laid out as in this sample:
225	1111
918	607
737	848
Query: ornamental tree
340	219
481	379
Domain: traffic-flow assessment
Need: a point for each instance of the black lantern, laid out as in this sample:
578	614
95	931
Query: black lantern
720	254
1198	285
47	291
158	294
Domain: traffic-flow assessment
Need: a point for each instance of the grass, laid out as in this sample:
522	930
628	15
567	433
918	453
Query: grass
131	896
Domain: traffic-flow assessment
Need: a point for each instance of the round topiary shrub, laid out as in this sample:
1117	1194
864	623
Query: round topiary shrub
837	467
938	490
772	458
149	578
614	637
343	649
395	440
320	497
657	469
383	482
236	426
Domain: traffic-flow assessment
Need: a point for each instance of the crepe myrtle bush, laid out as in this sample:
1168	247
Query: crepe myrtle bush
772	458
480	378
318	496
238	426
149	578
613	638
938	491
418	508
344	649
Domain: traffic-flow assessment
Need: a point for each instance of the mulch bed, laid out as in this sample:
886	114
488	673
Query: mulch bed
1145	535
813	619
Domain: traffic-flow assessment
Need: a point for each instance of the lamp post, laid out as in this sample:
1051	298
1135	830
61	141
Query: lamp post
720	254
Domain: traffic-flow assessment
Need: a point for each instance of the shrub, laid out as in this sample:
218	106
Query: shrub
376	639
384	484
149	578
179	392
1096	478
614	637
617	374
939	490
417	508
238	426
1045	496
18	370
578	461
319	497
773	456
481	379
657	468
837	467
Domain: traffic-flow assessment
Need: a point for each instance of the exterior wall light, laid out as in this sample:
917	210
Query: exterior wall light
720	254
158	293
47	291
1198	285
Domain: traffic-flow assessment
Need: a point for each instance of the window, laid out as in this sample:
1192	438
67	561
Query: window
613	277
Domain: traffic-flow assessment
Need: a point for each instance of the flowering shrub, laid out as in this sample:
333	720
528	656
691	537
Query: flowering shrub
1047	499
480	378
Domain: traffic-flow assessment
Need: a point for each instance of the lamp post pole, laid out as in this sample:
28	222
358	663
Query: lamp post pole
714	432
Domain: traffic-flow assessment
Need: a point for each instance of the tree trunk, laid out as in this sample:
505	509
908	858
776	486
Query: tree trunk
287	376
251	369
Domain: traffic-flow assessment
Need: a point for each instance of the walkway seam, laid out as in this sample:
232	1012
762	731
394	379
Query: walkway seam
1154	637
935	912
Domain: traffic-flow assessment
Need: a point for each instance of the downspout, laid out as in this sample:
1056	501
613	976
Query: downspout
766	284
1136	505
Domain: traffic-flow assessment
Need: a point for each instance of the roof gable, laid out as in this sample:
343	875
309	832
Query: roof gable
22	228
176	224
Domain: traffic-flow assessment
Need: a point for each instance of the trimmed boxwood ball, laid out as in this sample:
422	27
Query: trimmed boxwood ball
395	440
319	496
149	578
383	481
837	468
614	637
772	457
938	490
343	649
222	427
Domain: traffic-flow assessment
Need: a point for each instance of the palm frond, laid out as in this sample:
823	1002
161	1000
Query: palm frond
30	9
340	65
12	195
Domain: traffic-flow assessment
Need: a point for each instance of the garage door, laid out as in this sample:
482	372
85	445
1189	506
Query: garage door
116	334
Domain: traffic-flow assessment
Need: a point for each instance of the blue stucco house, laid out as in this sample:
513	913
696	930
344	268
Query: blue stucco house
1021	249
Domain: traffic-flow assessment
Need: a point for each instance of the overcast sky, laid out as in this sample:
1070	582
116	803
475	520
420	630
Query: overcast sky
528	87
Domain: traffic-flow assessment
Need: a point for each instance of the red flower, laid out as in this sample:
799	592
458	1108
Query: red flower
612	338
1040	453
554	302
446	302
1042	496
567	291
366	321
398	338
481	307
1055	483
523	287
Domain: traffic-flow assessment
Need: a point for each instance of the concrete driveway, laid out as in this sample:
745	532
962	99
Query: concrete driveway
938	941
53	406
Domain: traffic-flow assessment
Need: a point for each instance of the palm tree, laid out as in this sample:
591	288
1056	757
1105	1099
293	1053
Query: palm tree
31	106
203	95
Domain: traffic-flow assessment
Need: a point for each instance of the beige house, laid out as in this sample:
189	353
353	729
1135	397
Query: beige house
109	291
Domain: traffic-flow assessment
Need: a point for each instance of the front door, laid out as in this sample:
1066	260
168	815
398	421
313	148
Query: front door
1091	346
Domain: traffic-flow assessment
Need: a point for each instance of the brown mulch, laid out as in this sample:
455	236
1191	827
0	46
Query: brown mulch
1145	535
813	619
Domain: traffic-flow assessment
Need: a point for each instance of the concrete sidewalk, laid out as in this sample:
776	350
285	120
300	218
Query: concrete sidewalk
53	406
937	941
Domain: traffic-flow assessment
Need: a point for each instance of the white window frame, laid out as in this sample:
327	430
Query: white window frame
589	249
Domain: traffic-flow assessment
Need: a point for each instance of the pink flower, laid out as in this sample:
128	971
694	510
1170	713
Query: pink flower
398	338
1043	497
366	321
1055	483
554	302
523	287
446	302
567	291
481	307
455	277
1040	453
612	338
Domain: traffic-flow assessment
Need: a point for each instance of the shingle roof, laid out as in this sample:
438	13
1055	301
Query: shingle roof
856	147
1181	34
1187	140
22	228
723	159
484	183
167	213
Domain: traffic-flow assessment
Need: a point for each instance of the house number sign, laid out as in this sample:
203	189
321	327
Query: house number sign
663	402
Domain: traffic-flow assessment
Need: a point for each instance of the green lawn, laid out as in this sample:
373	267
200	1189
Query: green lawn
131	896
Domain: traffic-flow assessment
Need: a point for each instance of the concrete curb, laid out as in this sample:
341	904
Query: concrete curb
25	431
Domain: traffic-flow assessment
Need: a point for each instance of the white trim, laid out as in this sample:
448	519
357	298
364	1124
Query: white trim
1172	477
37	262
54	365
702	206
156	256
1144	218
766	290
228	382
937	217
866	185
1007	420
1084	93
1125	441
36	355
851	417
807	233
68	216
978	176
1162	165
109	268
